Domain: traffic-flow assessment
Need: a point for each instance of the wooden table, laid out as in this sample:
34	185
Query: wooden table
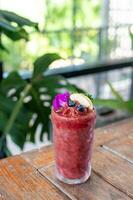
30	176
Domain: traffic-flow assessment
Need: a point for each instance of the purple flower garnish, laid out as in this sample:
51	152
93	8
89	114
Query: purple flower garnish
60	100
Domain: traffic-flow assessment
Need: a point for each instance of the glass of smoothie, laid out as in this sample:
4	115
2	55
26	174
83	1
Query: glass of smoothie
73	120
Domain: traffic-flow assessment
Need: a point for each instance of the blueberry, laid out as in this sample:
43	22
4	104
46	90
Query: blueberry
71	103
80	108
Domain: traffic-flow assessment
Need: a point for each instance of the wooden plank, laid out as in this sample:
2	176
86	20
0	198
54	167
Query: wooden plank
122	147
39	157
20	181
112	131
19	178
45	155
114	170
94	189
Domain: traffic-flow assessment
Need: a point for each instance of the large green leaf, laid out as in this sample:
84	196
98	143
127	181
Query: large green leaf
3	120
111	103
6	104
18	118
19	113
19	126
118	103
18	135
36	105
129	105
115	93
14	80
32	130
21	21
6	150
5	25
43	62
20	34
19	130
115	104
16	110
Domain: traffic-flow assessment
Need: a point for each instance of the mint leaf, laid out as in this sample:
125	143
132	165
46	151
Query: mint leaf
89	96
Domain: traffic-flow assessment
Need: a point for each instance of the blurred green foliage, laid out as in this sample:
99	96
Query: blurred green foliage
26	104
14	28
117	103
60	17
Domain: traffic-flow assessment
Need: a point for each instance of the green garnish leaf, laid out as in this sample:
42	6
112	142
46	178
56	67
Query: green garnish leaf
89	96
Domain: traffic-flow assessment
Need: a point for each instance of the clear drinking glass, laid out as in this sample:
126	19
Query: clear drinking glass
73	141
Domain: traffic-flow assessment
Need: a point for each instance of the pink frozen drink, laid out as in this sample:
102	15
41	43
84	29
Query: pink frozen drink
73	121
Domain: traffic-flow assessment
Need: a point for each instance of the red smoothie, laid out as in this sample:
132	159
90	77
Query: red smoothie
73	139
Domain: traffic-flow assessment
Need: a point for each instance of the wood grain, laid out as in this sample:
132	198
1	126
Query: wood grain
20	181
93	189
114	170
122	146
40	157
25	177
113	131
